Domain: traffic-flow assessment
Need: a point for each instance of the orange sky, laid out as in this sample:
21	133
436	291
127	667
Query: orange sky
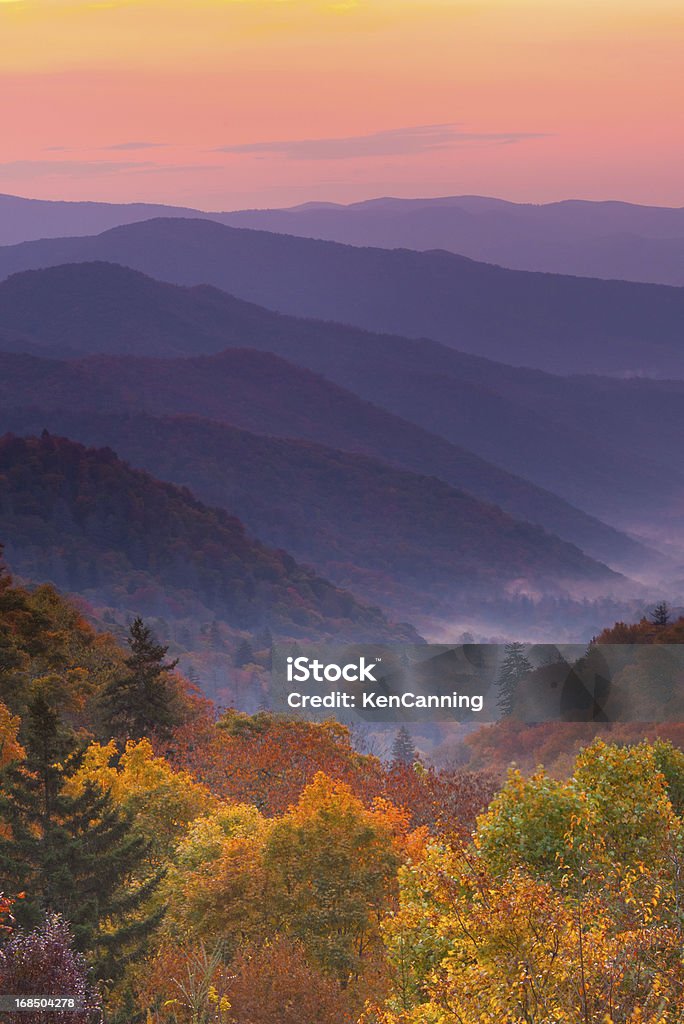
231	103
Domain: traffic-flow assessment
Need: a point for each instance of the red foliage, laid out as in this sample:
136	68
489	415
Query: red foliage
556	744
275	983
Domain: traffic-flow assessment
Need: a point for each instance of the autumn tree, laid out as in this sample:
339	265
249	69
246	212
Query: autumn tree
10	748
564	909
268	760
185	984
216	888
471	947
160	801
331	867
276	982
44	962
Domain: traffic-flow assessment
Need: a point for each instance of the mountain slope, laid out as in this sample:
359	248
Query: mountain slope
599	443
23	219
560	324
264	394
595	239
406	542
117	536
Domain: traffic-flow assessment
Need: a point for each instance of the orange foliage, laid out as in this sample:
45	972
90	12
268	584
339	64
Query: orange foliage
450	799
556	744
6	919
643	632
10	747
268	761
276	983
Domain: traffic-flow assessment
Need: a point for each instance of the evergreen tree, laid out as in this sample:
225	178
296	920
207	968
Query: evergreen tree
143	701
244	655
514	667
264	639
21	635
403	749
214	636
661	614
192	676
72	855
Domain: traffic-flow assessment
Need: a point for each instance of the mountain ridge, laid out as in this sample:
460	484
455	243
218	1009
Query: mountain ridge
93	525
609	239
545	321
261	393
538	427
408	543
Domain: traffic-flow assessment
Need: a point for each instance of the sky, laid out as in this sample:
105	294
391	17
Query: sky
229	104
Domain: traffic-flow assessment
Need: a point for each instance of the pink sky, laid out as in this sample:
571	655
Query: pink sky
233	103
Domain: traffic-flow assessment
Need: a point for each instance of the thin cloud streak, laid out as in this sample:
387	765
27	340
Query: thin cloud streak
128	146
395	142
36	169
41	168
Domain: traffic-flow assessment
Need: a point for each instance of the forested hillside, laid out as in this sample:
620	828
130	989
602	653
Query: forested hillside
596	442
359	522
166	865
121	539
264	394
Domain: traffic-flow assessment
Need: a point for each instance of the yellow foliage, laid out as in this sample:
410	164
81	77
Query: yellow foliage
10	747
564	910
163	801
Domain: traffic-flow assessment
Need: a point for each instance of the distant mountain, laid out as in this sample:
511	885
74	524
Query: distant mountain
545	321
592	239
23	220
87	522
409	543
262	393
609	446
610	240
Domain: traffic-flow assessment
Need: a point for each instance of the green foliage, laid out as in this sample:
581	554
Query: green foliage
615	807
514	668
78	857
403	748
73	855
527	823
141	702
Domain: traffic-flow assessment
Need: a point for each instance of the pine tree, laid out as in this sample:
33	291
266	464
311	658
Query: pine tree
21	629
72	855
142	702
244	655
264	639
214	636
403	749
514	667
661	614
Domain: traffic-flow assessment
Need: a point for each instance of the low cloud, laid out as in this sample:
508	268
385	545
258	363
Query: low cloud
43	168
396	142
125	146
